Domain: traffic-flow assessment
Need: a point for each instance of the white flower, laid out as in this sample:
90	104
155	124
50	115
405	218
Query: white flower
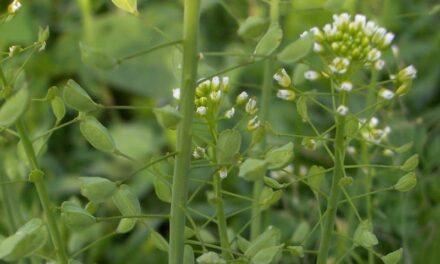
285	94
242	97
379	65
346	86
339	65
388	39
351	150
225	84
360	20
374	121
342	110
341	19
327	29
14	6
251	106
201	110
216	95
199	152
311	75
386	94
317	47
253	124
304	34
407	73
379	34
223	173
176	93
282	78
230	113
215	83
370	28
374	54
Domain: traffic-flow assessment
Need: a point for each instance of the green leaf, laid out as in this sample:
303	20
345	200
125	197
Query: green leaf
269	238
97	189
268	255
363	236
95	58
162	189
97	135
406	183
167	116
393	257
28	239
301	107
228	145
252	27
14	107
75	217
253	169
351	125
210	258
243	243
159	241
127	5
411	163
270	41
77	98
297	50
315	177
58	108
279	158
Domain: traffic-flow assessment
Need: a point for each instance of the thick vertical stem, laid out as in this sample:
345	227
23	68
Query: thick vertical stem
332	203
183	148
57	241
263	115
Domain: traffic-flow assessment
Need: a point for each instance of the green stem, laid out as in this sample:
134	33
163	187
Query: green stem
58	243
146	51
221	218
332	204
183	147
256	224
9	206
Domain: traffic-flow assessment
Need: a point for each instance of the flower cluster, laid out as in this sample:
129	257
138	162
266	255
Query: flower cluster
351	40
370	132
284	81
209	94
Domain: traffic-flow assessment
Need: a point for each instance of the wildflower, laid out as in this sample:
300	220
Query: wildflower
13	50
407	73
386	94
201	110
14	7
311	75
253	124
342	110
387	39
282	78
223	173
251	106
285	94
230	113
215	83
199	152
225	84
176	93
216	95
374	121
339	65
317	47
379	65
346	86
241	98
374	54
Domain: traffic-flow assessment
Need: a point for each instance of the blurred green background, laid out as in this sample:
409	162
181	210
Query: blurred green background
411	220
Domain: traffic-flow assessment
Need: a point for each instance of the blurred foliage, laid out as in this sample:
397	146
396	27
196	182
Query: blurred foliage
148	80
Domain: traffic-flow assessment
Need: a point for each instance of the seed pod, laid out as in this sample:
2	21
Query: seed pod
159	241
393	257
274	184
210	258
345	181
188	255
363	235
301	232
297	50
97	135
252	27
14	107
296	251
316	177
411	163
77	98
75	217
268	255
167	116
28	239
268	197
162	189
128	204
97	189
228	145
252	169
270	41
58	108
406	183
279	158
270	237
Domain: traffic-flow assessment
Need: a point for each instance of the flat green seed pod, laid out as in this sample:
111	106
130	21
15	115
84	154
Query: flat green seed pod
77	98
75	217
14	107
97	135
97	189
28	239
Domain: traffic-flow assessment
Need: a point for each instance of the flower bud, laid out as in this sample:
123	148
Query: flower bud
311	75
176	93
201	110
342	110
14	7
282	78
406	183
386	94
230	113
241	98
407	73
287	95
346	86
251	106
253	124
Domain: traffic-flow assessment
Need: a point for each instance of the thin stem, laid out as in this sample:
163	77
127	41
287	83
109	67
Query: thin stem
79	251
183	147
146	51
57	241
332	203
221	218
118	217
